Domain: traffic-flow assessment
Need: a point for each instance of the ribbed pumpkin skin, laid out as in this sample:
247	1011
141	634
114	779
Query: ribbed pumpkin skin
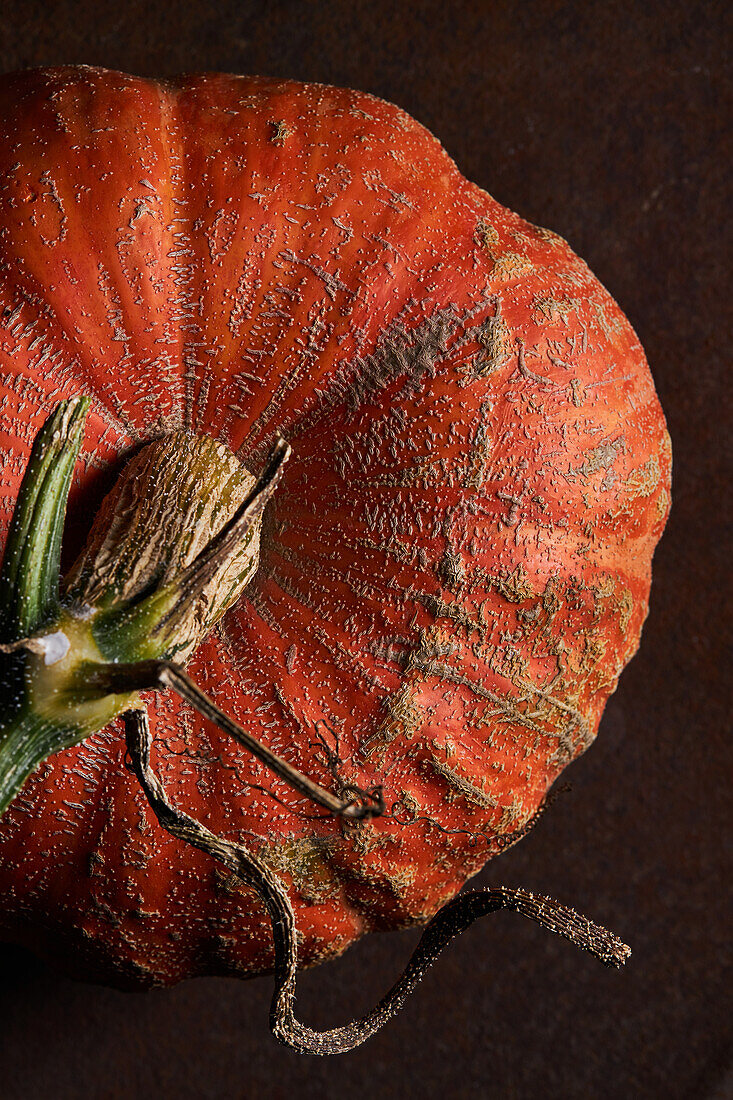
456	567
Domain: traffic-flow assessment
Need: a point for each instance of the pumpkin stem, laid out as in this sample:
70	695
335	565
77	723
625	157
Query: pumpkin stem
175	543
450	921
64	680
197	575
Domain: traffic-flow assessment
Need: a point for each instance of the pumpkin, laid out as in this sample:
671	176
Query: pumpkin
452	572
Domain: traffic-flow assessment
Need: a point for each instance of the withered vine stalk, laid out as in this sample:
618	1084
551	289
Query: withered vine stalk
453	918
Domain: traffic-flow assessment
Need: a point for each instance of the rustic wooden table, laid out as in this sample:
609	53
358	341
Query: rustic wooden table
610	124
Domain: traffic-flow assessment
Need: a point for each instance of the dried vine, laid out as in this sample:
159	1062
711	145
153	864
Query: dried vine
452	919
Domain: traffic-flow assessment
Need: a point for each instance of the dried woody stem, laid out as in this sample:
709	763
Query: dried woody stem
197	575
453	919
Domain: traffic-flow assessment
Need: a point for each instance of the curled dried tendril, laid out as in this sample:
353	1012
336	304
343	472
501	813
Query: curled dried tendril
449	922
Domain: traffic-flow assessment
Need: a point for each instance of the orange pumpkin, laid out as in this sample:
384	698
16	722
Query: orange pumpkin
455	567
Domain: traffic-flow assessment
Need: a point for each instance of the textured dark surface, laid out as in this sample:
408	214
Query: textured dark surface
609	123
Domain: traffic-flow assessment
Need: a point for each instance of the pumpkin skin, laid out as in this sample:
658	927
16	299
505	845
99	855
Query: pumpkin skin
456	566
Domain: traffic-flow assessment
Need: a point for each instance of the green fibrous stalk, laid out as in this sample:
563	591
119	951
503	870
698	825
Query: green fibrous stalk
29	601
173	546
29	581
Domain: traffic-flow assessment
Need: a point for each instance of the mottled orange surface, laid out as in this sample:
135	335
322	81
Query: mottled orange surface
457	565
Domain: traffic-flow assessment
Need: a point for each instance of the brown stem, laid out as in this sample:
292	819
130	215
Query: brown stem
159	675
196	576
453	919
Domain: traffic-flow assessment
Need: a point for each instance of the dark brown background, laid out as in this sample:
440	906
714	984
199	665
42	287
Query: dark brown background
609	123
